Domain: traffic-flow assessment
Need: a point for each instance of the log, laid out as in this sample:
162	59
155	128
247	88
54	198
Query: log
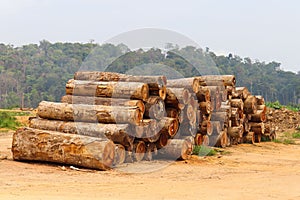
191	114
206	128
118	133
152	132
177	149
187	129
257	128
51	146
120	155
89	113
126	90
169	126
180	95
249	138
259	116
215	97
222	117
235	117
173	112
222	140
154	108
162	141
192	84
103	101
139	150
227	80
153	81
235	131
151	151
258	137
250	105
241	93
203	94
260	100
216	126
237	103
206	107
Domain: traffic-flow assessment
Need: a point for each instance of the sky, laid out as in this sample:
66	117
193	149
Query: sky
267	30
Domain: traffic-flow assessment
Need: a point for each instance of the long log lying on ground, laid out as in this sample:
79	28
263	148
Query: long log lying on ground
50	146
89	113
118	133
70	99
127	90
177	149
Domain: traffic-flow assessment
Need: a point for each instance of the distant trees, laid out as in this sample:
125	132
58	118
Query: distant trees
36	72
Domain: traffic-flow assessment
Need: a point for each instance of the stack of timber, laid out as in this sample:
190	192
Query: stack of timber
107	118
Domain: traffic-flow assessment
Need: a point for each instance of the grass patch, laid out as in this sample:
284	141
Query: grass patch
8	120
285	141
296	135
204	151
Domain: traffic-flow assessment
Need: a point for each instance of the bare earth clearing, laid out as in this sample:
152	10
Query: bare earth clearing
262	171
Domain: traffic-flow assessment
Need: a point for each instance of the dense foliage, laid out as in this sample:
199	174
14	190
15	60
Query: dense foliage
36	72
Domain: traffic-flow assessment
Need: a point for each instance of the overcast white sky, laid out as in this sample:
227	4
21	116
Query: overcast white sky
260	29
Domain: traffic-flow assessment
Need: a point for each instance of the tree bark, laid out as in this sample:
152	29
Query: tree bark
227	80
260	100
241	93
103	101
120	155
237	103
127	90
50	146
206	128
235	131
257	128
206	107
259	116
139	150
89	113
118	133
203	94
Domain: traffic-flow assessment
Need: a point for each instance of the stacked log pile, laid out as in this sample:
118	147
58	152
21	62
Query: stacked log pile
106	119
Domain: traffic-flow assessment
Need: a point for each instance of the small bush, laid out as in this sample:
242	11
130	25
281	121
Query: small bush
204	151
8	121
296	135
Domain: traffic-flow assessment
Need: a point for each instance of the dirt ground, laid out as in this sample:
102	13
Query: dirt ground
263	171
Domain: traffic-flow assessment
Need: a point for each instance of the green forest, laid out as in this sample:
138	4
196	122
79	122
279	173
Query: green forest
36	72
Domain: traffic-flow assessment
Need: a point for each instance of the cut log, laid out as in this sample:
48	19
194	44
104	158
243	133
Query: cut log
173	113
113	76
120	155
203	94
139	150
127	90
192	84
222	117
259	116
222	140
119	133
216	126
241	93
235	117
162	141
206	128
103	101
227	80
50	146
237	103
177	149
89	113
260	100
151	151
258	138
169	126
187	129
206	107
257	128
250	105
249	138
215	97
152	132
154	108
235	131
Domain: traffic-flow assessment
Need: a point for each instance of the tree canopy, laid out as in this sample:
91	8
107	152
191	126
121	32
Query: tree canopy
36	72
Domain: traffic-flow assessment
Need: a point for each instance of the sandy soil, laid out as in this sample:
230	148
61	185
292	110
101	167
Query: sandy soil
262	171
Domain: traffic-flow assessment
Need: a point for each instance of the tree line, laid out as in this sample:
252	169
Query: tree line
36	72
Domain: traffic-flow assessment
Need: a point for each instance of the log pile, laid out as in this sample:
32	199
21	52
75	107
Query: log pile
106	119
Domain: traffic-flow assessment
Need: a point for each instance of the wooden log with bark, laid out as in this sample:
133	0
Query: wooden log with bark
120	154
203	94
241	93
118	133
154	108
257	128
126	90
51	146
250	105
89	113
226	80
206	128
177	149
192	84
70	99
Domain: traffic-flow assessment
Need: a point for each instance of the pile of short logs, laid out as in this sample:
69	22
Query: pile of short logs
106	119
